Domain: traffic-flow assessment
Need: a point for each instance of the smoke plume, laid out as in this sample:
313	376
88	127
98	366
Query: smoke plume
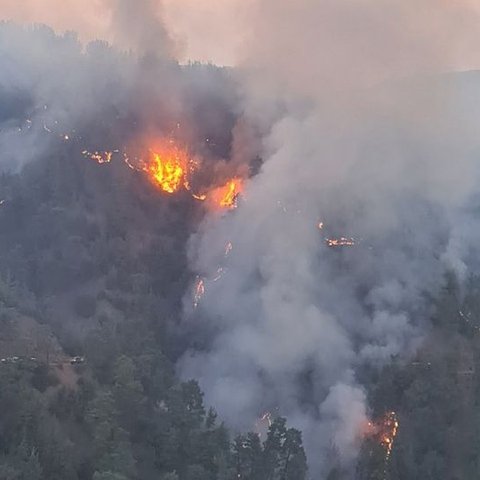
362	130
362	135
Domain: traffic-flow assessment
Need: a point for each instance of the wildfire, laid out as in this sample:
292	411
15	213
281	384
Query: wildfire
171	168
199	292
232	191
99	157
167	168
227	195
389	432
340	242
384	432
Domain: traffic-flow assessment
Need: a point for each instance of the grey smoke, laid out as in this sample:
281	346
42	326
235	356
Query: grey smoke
139	25
61	84
361	129
52	86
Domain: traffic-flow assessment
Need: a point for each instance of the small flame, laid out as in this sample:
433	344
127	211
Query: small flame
227	195
390	427
199	292
385	432
340	242
229	199
99	157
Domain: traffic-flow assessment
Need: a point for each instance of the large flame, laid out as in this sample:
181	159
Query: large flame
170	167
167	167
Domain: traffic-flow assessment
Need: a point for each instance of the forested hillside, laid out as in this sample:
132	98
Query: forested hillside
93	266
98	286
92	276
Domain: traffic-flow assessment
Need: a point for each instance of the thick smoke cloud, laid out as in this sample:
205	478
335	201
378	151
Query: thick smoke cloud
56	90
362	130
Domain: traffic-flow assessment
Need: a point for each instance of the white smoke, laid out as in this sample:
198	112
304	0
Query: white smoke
362	132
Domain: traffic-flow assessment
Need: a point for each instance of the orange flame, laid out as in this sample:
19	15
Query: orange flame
227	195
384	432
171	168
390	430
99	157
167	168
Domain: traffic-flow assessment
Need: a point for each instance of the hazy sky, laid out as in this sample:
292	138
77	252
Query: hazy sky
207	30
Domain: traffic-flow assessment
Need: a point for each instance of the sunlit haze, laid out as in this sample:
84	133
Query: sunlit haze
206	30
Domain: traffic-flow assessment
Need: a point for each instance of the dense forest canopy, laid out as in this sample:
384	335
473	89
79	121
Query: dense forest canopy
98	270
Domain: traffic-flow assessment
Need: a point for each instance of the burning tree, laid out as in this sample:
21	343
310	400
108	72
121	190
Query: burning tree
377	447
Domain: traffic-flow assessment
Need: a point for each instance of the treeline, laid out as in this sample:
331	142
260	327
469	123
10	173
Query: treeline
436	397
96	258
142	425
93	263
